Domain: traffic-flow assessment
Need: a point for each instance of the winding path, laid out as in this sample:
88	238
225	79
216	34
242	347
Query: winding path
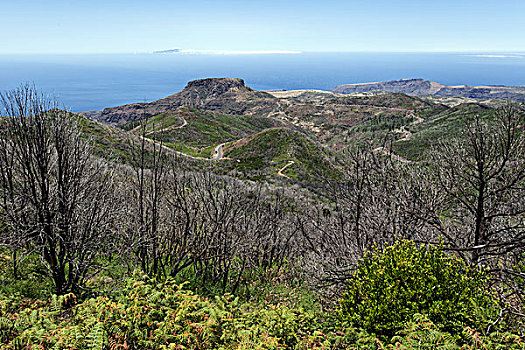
387	152
218	155
407	137
280	172
172	127
171	150
403	130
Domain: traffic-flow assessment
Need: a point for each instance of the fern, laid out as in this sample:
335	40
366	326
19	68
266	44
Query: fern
97	337
165	316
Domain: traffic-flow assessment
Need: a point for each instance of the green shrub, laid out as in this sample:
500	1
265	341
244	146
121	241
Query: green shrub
390	286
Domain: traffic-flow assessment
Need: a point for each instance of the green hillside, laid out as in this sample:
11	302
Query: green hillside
305	221
109	142
438	127
197	132
265	153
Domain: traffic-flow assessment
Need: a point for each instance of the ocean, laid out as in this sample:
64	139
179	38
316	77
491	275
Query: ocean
93	82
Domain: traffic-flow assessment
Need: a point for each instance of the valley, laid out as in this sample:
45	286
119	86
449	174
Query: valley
270	175
254	134
224	209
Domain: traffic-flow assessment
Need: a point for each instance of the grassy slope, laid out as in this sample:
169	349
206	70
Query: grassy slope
112	143
439	123
390	100
108	142
257	152
263	154
439	127
204	130
358	120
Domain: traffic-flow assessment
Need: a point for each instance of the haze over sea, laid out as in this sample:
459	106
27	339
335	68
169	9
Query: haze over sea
93	82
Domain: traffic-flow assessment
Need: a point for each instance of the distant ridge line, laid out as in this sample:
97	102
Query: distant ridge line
421	87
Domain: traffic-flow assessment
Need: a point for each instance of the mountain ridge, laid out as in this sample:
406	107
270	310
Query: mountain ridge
421	87
258	133
224	95
232	96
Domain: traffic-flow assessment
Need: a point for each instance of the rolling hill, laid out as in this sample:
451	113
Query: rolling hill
280	152
197	132
283	135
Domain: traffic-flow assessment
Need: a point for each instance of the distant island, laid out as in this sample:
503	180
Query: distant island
228	52
167	51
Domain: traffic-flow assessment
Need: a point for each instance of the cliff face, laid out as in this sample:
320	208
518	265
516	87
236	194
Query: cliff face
513	93
420	87
215	87
413	87
224	95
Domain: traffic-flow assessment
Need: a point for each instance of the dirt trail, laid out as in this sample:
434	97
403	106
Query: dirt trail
280	172
418	120
218	154
166	148
387	152
398	109
277	112
407	133
135	129
172	127
407	137
403	130
171	150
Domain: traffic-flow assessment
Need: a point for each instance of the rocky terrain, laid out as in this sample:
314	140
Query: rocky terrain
412	87
420	87
255	134
228	96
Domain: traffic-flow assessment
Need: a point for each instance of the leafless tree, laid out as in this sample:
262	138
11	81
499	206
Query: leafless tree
219	227
145	195
251	231
357	212
55	198
376	199
482	175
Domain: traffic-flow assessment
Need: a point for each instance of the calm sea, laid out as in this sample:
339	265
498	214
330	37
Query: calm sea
92	82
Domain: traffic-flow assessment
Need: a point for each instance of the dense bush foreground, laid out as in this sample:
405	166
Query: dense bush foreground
168	317
401	298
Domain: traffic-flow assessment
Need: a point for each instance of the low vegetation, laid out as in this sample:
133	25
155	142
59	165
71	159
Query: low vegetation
264	153
147	314
144	252
391	286
197	132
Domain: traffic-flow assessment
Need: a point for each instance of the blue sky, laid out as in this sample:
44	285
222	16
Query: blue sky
95	26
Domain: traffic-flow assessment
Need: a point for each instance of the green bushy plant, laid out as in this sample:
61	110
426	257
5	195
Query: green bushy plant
391	285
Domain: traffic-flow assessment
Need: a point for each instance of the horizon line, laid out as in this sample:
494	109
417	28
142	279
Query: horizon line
262	52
